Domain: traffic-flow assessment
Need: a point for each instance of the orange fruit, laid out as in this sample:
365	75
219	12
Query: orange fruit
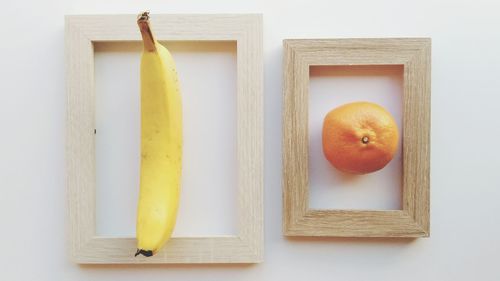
359	137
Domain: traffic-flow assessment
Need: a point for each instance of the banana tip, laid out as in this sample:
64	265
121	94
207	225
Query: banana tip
144	16
146	253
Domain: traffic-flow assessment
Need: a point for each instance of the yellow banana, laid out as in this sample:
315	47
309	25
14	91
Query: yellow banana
161	144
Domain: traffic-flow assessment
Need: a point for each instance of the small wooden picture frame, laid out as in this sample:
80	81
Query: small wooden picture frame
81	33
413	219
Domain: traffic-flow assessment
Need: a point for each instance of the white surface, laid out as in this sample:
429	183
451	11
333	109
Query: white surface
464	242
333	86
207	74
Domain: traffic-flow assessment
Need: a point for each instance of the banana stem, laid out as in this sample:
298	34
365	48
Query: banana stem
145	28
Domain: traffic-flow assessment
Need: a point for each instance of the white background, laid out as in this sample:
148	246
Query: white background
465	183
207	74
330	87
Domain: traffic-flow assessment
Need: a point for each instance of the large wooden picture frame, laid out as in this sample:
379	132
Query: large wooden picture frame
413	219
81	33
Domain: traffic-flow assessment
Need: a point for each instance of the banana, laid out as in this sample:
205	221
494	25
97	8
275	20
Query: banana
161	144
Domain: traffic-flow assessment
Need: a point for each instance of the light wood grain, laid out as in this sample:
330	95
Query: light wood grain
81	32
414	219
